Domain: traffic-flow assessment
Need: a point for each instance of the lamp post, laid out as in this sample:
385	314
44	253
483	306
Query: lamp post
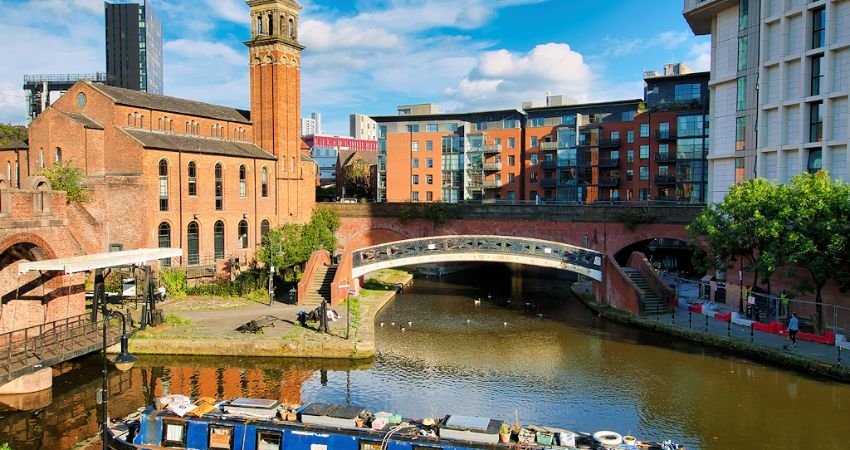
124	362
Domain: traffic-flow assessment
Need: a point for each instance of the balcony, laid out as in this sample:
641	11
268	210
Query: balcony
492	166
609	181
609	143
548	164
492	184
664	158
547	183
665	179
548	146
609	163
665	135
491	148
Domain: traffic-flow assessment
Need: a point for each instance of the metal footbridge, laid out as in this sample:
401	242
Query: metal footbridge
482	248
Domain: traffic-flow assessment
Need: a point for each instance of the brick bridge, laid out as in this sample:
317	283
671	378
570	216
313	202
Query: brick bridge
612	230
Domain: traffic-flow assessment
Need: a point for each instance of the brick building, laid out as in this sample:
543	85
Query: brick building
172	172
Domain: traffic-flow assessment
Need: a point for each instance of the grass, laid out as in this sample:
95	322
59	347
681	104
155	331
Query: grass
198	303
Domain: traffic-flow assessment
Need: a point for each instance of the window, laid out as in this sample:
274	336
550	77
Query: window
382	131
414	163
742	52
664	130
413	128
510	123
533	141
690	125
511	160
739	170
533	196
511	142
533	177
687	92
815	161
740	133
644	130
664	150
218	240
41	158
451	127
817	75
221	437
663	170
269	440
264	182
481	126
163	185
264	228
643	194
630	174
57	155
533	159
743	14
219	188
429	196
429	179
431	128
535	122
630	156
497	141
815	122
243	182
414	196
414	146
644	172
741	96
429	162
429	146
569	119
644	151
818	27
193	180
173	434
511	178
630	136
615	135
414	179
193	240
164	240
242	239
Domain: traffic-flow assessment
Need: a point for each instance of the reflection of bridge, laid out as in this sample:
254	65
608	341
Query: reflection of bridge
478	248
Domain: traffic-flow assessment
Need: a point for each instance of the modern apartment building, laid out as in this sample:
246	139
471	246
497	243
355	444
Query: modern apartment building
362	126
561	152
134	46
311	125
780	77
325	150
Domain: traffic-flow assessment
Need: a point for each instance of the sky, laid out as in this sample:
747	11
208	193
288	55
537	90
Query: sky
368	56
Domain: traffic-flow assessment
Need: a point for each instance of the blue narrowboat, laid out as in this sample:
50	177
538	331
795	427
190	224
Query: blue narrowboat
258	424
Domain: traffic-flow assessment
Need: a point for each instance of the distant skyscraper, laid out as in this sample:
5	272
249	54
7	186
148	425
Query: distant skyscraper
362	126
134	46
311	125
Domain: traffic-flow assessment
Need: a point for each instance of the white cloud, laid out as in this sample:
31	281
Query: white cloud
699	56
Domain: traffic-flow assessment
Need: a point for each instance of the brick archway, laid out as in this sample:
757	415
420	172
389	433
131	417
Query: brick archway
374	236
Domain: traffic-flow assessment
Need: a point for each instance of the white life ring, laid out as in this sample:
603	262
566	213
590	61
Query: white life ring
608	437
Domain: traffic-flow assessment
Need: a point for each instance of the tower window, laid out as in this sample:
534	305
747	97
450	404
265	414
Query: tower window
243	182
193	179
163	185
219	189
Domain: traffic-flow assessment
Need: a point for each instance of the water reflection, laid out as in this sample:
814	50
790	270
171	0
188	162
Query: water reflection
567	368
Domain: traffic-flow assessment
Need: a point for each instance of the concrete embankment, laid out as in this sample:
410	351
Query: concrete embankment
207	326
761	349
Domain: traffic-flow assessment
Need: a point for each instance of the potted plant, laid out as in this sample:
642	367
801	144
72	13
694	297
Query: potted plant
504	433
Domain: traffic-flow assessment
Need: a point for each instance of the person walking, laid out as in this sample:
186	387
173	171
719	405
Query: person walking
793	328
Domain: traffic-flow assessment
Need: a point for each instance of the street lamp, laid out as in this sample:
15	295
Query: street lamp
124	362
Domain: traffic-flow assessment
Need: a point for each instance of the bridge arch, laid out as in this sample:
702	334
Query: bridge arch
26	296
668	252
480	248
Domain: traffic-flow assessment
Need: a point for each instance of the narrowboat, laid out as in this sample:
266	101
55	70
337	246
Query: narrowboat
257	424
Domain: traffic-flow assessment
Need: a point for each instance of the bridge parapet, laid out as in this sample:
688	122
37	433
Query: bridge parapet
478	248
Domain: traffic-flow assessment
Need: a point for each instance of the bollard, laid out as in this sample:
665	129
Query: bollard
729	328
751	332
839	356
690	319
706	324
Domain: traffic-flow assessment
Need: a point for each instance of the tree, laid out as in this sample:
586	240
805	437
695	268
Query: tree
12	133
819	238
288	248
65	177
358	182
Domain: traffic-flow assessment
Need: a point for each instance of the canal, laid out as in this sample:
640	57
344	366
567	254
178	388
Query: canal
550	361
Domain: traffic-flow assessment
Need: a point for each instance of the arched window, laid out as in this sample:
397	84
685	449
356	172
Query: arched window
193	179
135	119
57	155
264	228
159	124
164	237
9	172
129	120
218	240
259	25
271	24
187	127
163	185
264	183
41	158
193	239
243	234
243	182
291	28
142	121
219	189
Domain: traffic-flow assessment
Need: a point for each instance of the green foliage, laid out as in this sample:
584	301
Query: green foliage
356	314
217	289
631	218
176	321
174	280
10	134
65	177
289	247
437	212
358	182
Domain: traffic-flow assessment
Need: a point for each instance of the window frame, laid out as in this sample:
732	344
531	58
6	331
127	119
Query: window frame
166	424
163	185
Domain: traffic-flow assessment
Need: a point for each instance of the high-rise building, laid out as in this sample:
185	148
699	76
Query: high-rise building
362	126
134	46
311	125
780	78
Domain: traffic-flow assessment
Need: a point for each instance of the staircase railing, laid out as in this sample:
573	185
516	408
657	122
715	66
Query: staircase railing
639	261
317	259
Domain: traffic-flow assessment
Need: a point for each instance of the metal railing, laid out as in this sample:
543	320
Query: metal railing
548	146
99	77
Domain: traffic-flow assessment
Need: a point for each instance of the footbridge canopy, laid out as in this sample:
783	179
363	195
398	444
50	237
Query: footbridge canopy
507	249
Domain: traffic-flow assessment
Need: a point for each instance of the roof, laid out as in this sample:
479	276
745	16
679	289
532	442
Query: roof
129	97
16	145
196	144
443	116
83	120
348	156
585	105
74	264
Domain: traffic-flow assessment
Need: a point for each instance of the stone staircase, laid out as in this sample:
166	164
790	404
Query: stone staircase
320	287
652	304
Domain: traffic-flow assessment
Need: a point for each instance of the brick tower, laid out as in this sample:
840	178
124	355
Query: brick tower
275	66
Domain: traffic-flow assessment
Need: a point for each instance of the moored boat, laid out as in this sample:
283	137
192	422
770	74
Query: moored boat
258	424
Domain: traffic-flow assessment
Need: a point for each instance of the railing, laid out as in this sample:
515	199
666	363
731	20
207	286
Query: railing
49	343
491	148
665	179
548	146
665	135
609	143
609	181
664	157
547	182
492	184
609	163
99	77
548	164
444	245
492	166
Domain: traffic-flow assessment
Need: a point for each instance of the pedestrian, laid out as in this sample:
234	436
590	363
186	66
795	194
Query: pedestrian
793	327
